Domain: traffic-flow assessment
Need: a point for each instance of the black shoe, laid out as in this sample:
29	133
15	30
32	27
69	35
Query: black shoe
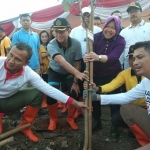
114	131
96	125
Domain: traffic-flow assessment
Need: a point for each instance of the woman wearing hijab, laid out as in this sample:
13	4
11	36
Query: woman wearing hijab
107	47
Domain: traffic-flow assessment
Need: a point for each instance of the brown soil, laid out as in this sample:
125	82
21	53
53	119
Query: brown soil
64	138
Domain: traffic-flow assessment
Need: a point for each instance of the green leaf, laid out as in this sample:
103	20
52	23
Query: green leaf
64	2
66	7
70	1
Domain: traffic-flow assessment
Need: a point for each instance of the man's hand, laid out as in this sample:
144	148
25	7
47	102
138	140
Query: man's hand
79	104
92	85
76	88
94	95
81	76
90	57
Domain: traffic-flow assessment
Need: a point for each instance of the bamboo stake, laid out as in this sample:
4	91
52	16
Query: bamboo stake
13	131
91	80
86	113
86	125
88	100
8	140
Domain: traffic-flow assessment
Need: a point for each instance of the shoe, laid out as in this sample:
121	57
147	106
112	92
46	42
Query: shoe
70	118
142	138
28	117
77	114
114	131
64	109
96	125
1	122
53	113
60	105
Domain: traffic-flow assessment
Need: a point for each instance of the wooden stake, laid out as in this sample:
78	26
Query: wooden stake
91	80
11	132
10	139
88	100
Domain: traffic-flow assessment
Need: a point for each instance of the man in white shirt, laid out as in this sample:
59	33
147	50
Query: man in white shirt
79	32
136	117
139	30
14	74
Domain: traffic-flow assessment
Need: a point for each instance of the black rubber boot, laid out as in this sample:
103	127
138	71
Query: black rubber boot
96	125
114	131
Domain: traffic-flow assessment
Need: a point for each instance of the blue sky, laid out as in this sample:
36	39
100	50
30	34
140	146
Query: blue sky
12	8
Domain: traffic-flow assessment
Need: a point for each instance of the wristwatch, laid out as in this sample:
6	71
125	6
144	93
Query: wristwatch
100	57
76	82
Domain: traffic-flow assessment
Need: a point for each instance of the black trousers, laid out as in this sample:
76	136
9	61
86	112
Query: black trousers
117	120
56	79
96	105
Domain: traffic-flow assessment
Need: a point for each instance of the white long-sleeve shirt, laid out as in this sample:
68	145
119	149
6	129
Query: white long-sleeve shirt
79	33
140	91
12	86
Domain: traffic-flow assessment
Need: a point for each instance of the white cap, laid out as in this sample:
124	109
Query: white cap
86	9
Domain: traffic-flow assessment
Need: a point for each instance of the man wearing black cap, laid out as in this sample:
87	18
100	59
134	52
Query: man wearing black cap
4	43
65	67
138	30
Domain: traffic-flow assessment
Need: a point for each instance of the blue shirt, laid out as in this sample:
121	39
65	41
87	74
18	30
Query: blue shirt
31	39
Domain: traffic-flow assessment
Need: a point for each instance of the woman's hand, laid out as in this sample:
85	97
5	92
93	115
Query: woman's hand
91	57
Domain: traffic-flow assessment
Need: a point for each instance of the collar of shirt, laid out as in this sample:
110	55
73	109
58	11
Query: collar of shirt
11	76
140	24
69	43
31	32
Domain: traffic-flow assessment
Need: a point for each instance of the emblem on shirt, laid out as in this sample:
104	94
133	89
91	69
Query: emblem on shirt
147	95
16	84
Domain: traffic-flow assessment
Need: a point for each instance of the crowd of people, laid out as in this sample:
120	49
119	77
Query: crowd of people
40	70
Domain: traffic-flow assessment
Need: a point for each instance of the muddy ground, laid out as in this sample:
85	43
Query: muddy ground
64	138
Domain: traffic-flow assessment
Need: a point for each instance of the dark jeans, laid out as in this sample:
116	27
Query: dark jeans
56	79
45	77
96	105
117	120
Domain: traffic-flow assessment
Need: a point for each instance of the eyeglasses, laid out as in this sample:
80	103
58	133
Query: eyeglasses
134	11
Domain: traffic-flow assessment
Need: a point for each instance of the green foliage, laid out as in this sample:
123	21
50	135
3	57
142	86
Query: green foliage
67	3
